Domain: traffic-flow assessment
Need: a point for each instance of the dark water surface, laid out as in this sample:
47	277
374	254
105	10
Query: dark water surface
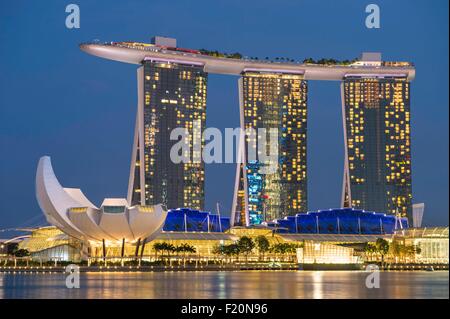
241	284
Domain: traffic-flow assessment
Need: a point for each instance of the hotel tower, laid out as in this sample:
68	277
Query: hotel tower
376	118
170	95
272	100
272	95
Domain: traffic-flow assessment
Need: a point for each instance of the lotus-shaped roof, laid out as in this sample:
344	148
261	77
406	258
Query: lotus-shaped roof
70	210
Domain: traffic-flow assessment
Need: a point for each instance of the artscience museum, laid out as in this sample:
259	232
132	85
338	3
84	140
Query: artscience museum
113	222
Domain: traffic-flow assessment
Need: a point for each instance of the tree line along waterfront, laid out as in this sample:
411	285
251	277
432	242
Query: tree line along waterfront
244	251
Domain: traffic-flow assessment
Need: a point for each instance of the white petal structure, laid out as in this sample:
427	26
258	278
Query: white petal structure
70	210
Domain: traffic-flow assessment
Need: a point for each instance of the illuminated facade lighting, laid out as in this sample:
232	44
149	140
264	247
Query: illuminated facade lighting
171	96
272	100
377	174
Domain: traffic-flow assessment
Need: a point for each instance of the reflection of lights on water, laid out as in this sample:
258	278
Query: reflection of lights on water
222	285
2	285
317	279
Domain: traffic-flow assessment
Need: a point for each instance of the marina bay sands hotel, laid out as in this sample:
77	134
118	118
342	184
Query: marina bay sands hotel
172	91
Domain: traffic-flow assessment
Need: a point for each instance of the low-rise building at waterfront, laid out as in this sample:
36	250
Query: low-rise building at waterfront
49	244
432	243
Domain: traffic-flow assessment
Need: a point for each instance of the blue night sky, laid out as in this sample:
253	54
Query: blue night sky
56	100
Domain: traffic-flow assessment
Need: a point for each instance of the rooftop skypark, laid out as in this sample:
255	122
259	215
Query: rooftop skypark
239	56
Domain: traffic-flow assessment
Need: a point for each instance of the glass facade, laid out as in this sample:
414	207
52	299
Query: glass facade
241	207
50	243
331	221
114	209
273	100
431	241
174	96
324	253
195	221
341	221
378	145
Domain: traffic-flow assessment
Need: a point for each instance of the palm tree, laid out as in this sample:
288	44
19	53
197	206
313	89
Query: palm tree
275	249
291	249
218	250
185	248
164	247
282	249
157	247
245	245
394	250
400	252
231	250
21	253
309	60
369	250
410	251
170	248
263	245
382	246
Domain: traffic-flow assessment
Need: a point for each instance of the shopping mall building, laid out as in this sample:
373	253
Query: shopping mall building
331	236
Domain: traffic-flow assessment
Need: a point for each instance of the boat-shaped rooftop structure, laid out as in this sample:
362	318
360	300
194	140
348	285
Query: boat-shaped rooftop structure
235	64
